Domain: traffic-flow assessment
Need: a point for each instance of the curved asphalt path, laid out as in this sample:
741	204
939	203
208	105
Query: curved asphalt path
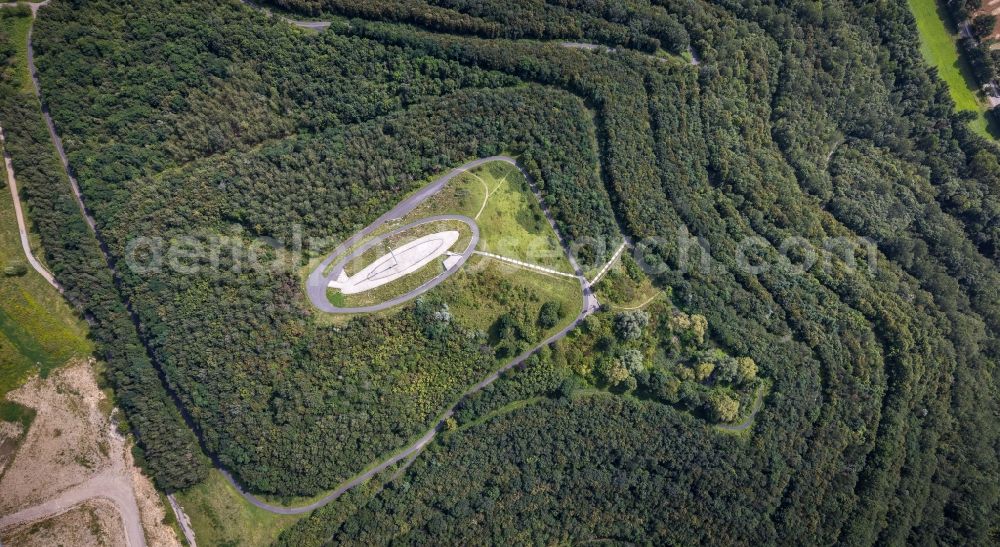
590	303
316	285
320	26
745	424
318	280
311	25
414	448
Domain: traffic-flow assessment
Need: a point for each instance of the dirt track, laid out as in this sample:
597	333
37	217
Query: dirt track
21	224
110	484
317	290
71	453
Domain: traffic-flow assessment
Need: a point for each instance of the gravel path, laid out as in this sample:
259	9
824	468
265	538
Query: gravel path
21	225
526	265
316	279
33	5
112	484
182	520
610	263
108	485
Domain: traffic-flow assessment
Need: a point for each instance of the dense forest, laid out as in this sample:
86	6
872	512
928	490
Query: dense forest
167	446
805	122
272	380
628	24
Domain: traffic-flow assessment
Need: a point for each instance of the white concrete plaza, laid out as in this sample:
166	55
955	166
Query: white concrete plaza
397	263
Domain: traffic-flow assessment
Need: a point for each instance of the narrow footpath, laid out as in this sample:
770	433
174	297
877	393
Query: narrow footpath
526	265
589	300
21	224
316	281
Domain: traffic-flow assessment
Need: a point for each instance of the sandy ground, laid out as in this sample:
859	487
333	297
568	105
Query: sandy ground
151	508
94	522
9	435
73	454
66	443
991	7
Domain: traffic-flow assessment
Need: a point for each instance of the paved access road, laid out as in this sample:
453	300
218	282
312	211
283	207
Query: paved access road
318	281
53	135
746	423
311	25
359	479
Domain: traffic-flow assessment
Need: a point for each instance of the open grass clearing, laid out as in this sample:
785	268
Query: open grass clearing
38	329
485	289
463	195
511	222
938	45
625	286
513	225
220	516
16	29
623	292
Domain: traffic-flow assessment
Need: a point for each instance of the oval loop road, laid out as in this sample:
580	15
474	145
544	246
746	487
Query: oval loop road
317	285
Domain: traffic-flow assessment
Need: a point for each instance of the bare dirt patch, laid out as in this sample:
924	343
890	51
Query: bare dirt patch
151	508
991	7
72	455
10	434
67	442
93	522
